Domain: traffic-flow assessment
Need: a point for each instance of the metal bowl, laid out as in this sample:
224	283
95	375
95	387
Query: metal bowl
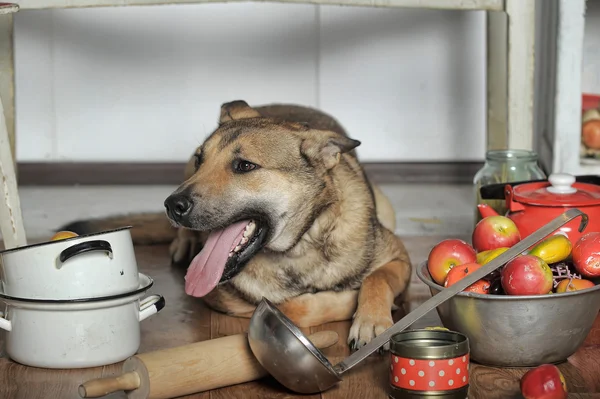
519	331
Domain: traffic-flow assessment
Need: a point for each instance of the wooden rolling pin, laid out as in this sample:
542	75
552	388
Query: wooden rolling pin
188	369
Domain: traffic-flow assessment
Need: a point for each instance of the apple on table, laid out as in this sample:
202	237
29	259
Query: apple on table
544	382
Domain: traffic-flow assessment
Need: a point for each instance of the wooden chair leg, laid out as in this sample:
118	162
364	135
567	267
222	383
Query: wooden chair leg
11	220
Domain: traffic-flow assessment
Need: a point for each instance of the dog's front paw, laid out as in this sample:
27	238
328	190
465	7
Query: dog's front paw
185	246
365	327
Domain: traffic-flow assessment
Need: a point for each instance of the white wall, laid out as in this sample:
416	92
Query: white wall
591	48
146	83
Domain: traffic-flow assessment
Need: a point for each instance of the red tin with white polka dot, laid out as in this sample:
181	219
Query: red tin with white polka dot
429	363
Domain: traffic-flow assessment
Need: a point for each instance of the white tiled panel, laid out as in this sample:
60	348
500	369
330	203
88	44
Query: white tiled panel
145	83
591	49
409	83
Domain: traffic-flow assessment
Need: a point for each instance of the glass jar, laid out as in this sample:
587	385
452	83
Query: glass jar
505	166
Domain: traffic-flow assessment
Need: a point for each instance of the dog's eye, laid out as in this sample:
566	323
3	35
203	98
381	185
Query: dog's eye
197	160
242	166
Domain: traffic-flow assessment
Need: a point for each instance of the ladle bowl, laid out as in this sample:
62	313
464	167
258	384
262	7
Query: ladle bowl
285	352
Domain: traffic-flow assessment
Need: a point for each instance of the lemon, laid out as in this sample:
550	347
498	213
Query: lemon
553	249
484	257
61	235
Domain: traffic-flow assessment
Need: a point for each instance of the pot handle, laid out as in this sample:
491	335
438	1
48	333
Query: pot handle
5	324
83	247
150	306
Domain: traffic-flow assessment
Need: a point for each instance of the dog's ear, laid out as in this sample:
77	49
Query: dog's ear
327	147
235	110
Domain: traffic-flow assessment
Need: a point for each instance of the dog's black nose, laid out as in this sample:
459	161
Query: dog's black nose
178	205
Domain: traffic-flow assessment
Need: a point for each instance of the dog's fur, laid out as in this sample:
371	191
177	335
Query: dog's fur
329	253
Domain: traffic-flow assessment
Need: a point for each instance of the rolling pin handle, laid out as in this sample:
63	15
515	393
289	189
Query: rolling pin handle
103	386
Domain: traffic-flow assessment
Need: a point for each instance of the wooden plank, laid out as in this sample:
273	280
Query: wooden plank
431	4
368	379
569	66
267	388
185	320
7	75
521	72
496	80
11	219
545	87
136	173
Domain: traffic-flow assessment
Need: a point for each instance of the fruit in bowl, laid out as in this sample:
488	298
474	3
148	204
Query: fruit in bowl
564	304
586	254
448	254
573	284
495	232
554	265
461	271
553	249
526	275
489	255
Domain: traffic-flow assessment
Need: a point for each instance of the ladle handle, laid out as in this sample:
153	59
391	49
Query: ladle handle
459	286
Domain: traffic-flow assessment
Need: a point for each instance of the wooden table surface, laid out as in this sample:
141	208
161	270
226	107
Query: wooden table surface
186	320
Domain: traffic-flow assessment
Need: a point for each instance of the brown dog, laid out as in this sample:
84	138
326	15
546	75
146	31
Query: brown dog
278	202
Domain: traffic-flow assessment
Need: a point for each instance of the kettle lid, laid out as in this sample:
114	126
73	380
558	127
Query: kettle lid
560	190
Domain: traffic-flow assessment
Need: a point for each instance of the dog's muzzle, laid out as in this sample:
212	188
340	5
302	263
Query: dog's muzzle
178	206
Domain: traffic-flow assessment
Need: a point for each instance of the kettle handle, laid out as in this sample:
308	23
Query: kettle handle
509	197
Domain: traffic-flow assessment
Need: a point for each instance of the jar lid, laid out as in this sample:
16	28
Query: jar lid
429	344
559	190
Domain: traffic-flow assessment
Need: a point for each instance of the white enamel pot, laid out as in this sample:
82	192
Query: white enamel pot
70	334
92	265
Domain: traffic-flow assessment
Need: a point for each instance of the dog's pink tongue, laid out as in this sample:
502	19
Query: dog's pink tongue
207	267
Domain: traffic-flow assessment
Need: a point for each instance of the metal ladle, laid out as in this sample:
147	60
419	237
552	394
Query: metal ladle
283	350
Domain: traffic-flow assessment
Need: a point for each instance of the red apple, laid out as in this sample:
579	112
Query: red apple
447	254
495	232
459	272
573	284
544	382
526	275
590	134
586	254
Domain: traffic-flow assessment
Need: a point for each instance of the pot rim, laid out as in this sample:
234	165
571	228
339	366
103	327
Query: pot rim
44	243
432	284
141	276
455	344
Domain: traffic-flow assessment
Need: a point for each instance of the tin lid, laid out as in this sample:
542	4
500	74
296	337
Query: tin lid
559	190
429	344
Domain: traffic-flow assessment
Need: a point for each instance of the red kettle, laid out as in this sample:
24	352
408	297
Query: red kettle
533	204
